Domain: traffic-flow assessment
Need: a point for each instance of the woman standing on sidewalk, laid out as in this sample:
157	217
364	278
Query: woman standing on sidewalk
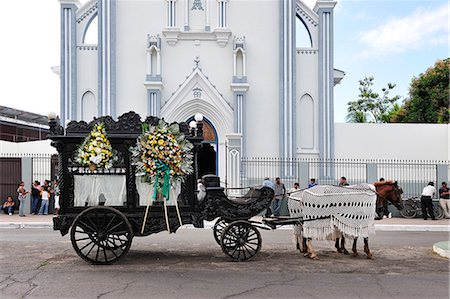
22	196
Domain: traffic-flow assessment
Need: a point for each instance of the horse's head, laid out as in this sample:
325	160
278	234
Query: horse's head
392	192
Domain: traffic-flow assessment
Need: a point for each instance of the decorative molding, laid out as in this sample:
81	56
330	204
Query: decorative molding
154	85
181	105
173	35
197	5
88	47
239	43
153	41
239	87
304	51
222	36
306	13
87	11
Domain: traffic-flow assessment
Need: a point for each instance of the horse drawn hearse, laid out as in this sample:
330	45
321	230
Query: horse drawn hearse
131	178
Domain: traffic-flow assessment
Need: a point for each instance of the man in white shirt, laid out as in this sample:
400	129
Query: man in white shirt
426	201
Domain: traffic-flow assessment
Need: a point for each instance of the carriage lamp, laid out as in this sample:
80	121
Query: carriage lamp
198	117
52	115
53	123
193	126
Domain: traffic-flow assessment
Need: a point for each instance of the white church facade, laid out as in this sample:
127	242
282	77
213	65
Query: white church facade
236	62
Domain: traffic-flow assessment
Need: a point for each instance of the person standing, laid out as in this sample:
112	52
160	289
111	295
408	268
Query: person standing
343	181
312	183
426	202
45	196
57	196
444	199
280	193
268	183
35	194
22	196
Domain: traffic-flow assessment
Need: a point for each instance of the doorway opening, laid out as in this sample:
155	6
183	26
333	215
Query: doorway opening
207	156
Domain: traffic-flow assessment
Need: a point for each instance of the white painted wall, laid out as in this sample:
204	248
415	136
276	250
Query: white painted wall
31	147
392	141
87	79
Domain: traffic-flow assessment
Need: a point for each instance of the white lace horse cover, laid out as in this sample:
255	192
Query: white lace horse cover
349	210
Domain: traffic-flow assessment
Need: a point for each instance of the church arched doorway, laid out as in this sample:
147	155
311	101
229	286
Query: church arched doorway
208	153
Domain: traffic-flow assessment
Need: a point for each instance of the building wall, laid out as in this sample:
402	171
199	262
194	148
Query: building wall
392	141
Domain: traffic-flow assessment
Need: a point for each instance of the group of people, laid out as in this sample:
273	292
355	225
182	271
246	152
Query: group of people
280	193
39	196
426	200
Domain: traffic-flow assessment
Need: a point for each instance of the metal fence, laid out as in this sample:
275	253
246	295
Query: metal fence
412	176
25	167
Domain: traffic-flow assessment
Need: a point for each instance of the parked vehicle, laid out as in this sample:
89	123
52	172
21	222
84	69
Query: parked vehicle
412	208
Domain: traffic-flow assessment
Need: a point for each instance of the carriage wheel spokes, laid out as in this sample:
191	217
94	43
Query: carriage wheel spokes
101	235
218	228
409	209
240	241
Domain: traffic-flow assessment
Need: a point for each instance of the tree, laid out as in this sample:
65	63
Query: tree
428	100
356	117
371	106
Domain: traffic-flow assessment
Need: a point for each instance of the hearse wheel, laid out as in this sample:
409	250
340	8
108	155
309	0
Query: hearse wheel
219	226
241	240
101	235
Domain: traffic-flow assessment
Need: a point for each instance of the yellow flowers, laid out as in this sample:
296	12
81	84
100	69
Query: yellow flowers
163	145
96	148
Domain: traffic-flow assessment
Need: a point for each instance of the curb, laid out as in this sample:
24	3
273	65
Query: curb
442	249
210	224
26	225
411	228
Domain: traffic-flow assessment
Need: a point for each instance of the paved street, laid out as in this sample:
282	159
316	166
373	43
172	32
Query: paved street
39	263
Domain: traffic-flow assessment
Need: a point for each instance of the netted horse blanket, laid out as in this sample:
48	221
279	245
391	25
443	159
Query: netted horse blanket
349	210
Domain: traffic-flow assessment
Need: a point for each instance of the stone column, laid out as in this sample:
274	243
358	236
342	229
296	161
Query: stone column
324	8
287	81
234	155
27	178
107	57
68	60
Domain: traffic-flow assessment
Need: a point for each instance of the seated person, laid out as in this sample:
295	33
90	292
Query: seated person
8	206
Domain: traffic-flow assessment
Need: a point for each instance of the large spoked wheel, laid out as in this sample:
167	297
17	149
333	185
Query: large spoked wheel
101	235
409	209
218	228
240	241
438	212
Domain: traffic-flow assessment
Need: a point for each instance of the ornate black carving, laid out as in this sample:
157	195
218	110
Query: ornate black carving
55	127
151	120
130	122
216	204
78	127
122	134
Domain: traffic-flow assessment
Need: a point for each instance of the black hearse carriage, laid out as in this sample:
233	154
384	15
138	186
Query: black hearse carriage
102	228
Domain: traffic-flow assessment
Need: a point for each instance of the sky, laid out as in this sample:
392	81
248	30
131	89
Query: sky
391	40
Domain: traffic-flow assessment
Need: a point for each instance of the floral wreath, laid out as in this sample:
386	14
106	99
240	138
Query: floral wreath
96	150
162	156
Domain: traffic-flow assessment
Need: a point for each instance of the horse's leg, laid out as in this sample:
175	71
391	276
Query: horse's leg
343	249
304	246
366	248
336	245
355	252
311	251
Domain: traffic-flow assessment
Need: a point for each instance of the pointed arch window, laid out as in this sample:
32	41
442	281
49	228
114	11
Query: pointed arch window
222	13
90	35
303	37
171	13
